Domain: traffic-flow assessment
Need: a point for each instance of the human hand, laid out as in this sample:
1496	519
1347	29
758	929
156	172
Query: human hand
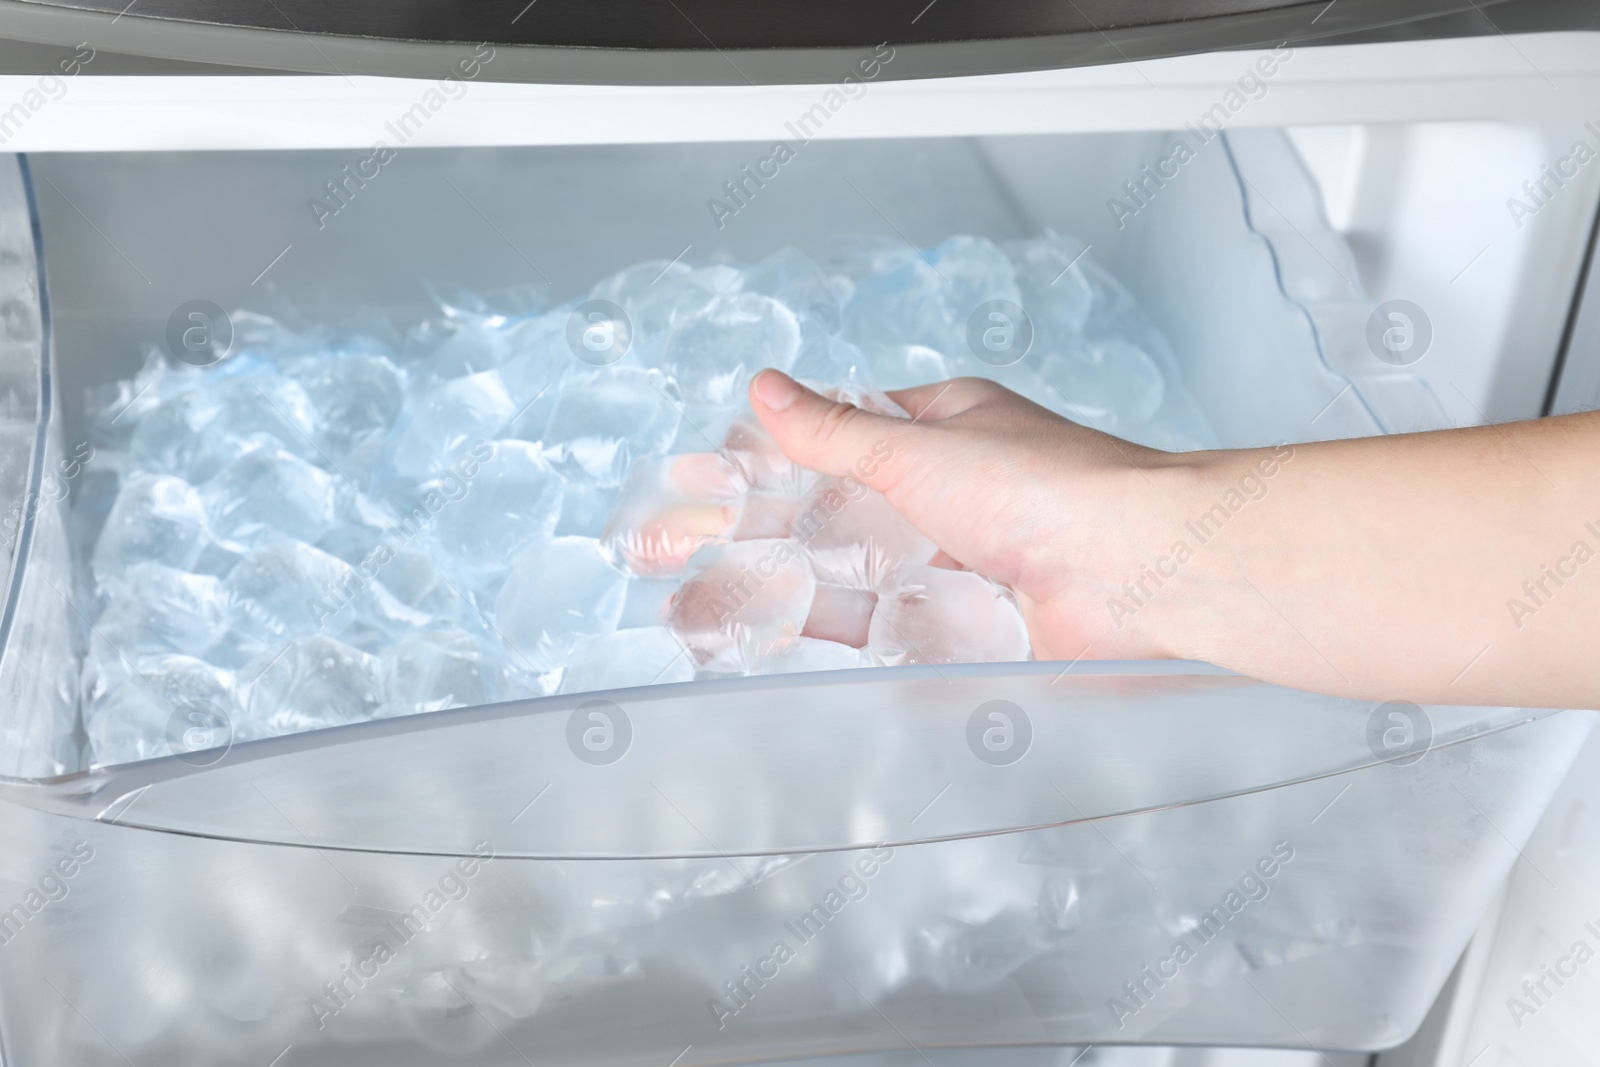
1062	514
1445	567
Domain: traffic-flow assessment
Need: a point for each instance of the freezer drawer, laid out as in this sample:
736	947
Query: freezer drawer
1254	313
778	868
927	857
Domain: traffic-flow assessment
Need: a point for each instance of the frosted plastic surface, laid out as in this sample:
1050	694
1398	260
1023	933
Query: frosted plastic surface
1318	272
38	675
1323	912
1238	267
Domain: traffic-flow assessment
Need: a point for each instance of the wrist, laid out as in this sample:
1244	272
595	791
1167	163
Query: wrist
1215	504
1123	576
1168	599
1202	519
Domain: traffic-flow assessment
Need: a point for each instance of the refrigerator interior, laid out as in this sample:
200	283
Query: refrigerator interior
1259	268
1266	326
1253	258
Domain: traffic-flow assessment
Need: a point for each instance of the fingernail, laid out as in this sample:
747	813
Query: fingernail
777	391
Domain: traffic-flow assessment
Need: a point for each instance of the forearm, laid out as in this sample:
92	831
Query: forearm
1452	567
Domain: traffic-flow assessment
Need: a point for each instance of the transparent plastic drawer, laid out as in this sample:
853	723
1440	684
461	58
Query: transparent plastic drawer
731	870
763	868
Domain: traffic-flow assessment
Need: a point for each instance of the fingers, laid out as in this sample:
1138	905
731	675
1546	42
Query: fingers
836	439
940	400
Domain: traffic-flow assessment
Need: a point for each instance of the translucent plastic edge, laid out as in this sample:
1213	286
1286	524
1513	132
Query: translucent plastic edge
1317	340
45	408
88	782
113	814
108	794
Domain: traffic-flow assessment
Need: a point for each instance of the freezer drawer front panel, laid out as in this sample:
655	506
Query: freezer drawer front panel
1321	913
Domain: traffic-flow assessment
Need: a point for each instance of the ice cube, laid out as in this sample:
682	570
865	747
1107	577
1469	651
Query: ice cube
558	591
519	684
284	589
649	600
740	599
585	507
136	708
470	342
437	669
860	396
656	296
703	425
903	366
653	294
606	419
860	255
1108	382
532	419
374	618
809	654
855	537
155	608
932	615
357	398
904	305
170	439
647	655
449	420
261	340
790	277
705	476
721	279
712	355
767	515
156	518
361	524
267	490
762	462
670	507
256	403
512	499
841	615
976	271
220	416
1055	289
629	284
533	373
316	682
410	573
833	361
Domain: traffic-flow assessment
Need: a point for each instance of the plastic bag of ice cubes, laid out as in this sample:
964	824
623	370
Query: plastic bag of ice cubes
332	526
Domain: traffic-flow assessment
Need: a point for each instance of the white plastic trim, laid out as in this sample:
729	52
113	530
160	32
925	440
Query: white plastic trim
1556	74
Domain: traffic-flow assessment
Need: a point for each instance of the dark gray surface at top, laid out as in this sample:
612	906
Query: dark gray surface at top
716	41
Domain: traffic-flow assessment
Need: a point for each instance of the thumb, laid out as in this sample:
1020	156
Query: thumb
827	436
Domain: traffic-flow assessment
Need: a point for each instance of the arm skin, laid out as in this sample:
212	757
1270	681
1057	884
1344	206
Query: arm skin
1455	567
